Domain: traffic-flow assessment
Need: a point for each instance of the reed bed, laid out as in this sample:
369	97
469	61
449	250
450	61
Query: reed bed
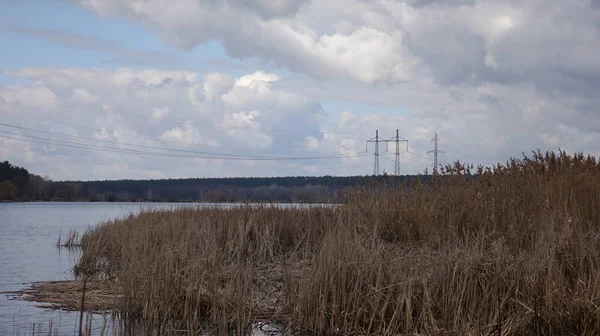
506	250
72	240
100	295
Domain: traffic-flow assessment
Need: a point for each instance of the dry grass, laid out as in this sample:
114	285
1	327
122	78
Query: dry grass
100	295
511	252
72	240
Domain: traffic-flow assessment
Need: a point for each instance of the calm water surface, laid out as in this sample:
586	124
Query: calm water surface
28	235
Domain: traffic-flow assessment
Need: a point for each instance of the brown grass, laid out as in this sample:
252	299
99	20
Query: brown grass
514	251
100	295
72	240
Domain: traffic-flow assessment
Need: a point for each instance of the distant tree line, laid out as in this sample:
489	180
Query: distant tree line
17	184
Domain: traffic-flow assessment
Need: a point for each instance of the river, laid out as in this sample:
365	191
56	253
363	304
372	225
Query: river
28	253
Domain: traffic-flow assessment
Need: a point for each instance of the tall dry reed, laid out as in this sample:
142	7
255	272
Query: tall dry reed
507	250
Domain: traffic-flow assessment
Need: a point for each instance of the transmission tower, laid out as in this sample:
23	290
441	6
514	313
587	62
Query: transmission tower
397	139
375	140
435	152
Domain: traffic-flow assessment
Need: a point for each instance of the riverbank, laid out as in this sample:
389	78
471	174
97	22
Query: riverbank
101	296
513	252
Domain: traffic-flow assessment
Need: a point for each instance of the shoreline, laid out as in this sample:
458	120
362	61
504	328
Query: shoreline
101	296
513	252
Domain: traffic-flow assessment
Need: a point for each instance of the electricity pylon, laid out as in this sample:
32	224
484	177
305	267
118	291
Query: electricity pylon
435	151
375	140
397	139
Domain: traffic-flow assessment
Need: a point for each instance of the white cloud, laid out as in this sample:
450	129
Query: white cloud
485	123
311	142
246	126
346	117
494	78
347	146
187	134
366	54
385	40
160	112
155	113
216	84
254	28
256	80
242	119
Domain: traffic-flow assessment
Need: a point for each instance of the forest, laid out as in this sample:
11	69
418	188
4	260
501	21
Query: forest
17	184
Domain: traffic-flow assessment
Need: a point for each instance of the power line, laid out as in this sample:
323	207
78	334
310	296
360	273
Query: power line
419	155
48	153
162	156
114	132
63	143
397	139
214	155
405	158
111	110
120	143
420	166
52	153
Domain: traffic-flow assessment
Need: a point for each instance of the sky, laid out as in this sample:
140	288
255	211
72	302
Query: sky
135	89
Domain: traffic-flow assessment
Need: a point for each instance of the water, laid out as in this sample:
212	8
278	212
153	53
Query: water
28	235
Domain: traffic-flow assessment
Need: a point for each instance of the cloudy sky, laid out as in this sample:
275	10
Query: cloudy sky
103	89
